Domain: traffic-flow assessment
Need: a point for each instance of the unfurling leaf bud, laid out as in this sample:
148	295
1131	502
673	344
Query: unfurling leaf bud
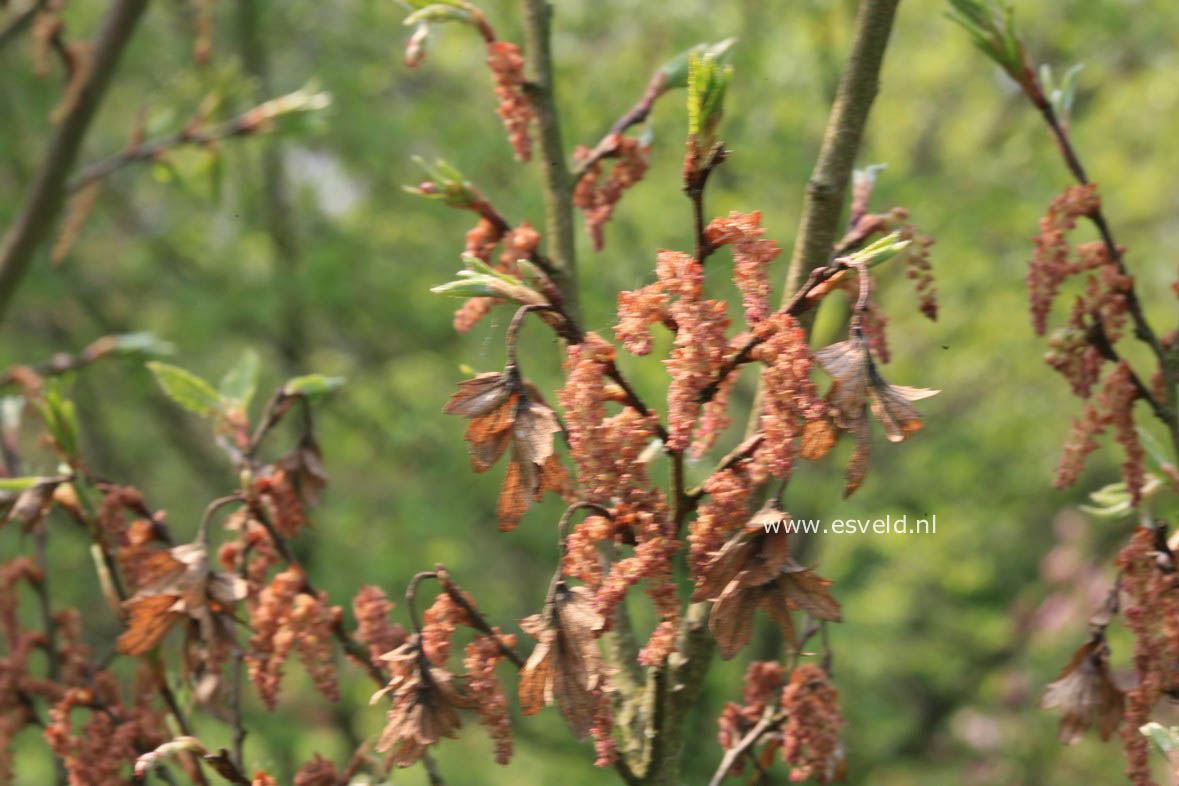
445	183
708	79
675	70
882	250
483	285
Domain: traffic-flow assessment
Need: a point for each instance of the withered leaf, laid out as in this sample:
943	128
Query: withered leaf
504	410
1086	693
148	620
775	603
487	440
479	395
516	494
809	592
857	467
731	619
754	555
890	405
857	385
533	432
757	571
565	667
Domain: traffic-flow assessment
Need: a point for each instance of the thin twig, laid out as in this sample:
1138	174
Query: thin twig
608	146
734	457
248	122
432	769
474	617
768	722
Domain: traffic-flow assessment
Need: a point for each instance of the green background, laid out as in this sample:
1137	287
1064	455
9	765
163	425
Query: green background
948	638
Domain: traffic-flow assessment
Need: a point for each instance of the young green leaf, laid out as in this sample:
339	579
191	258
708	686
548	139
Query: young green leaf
1165	738
312	385
708	79
239	383
60	418
20	484
675	70
187	389
143	343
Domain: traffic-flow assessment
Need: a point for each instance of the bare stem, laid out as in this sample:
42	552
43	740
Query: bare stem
411	594
558	183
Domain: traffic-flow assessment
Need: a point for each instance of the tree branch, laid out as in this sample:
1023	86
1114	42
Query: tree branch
828	183
558	182
36	217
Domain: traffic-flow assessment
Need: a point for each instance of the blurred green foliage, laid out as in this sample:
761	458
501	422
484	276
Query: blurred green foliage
944	649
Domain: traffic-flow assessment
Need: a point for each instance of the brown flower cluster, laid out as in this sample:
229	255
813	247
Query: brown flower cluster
700	347
1151	612
16	683
279	495
596	198
919	271
1114	408
644	517
762	689
810	736
714	415
504	411
791	400
286	619
441	621
752	570
482	656
317	772
1097	318
100	751
253	552
507	71
752	255
605	449
373	628
581	560
724	509
424	700
1051	264
639	309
